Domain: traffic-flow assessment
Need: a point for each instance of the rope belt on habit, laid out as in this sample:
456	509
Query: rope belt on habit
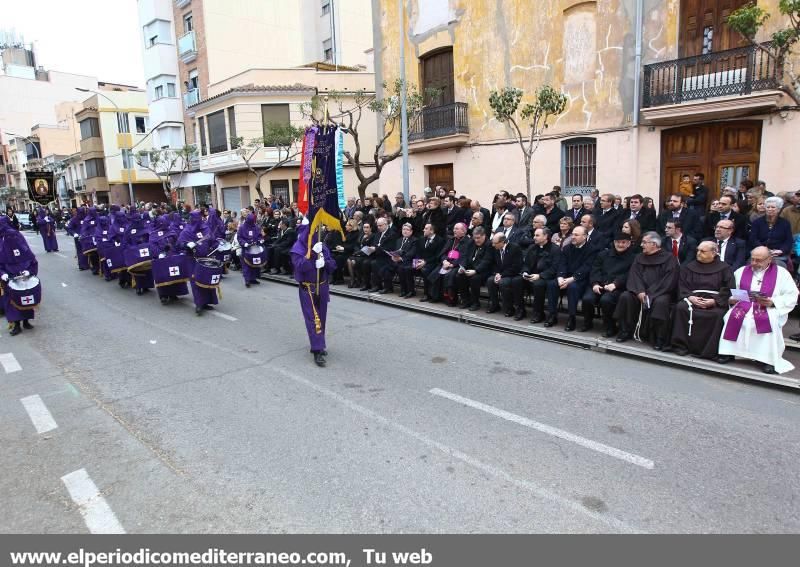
317	322
691	307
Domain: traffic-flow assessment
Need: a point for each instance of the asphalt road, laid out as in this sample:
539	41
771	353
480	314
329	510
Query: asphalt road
155	420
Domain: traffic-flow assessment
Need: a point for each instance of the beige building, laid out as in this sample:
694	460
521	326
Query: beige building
696	99
239	107
113	126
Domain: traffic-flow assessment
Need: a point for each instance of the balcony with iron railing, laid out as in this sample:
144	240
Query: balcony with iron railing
439	126
187	47
191	97
695	81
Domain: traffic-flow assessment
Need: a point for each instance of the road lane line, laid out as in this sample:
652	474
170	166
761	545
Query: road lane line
40	416
223	316
63	284
97	514
59	254
9	362
549	430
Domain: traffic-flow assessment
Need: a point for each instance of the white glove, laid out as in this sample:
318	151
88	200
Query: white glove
26	273
191	245
320	262
4	277
76	236
239	252
317	247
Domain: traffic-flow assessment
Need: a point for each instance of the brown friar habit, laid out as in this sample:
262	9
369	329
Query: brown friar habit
657	276
706	323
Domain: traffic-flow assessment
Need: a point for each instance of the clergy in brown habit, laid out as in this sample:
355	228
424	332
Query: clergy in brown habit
651	287
704	286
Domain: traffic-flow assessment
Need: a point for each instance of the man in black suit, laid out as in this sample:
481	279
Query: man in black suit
507	265
501	206
539	267
513	232
384	243
724	212
574	267
577	210
524	210
699	199
487	217
605	217
638	212
680	245
279	260
405	248
594	237
453	213
606	283
675	210
732	250
550	211
429	248
478	262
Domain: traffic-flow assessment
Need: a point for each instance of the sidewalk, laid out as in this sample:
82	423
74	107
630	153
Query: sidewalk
592	340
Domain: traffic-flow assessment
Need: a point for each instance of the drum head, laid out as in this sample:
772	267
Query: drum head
209	262
224	246
255	249
23	284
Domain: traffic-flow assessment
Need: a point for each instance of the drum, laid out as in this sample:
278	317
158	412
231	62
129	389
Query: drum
207	272
138	258
223	252
255	256
87	245
173	269
114	257
25	292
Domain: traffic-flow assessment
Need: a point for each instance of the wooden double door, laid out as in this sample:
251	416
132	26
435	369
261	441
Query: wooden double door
441	174
725	152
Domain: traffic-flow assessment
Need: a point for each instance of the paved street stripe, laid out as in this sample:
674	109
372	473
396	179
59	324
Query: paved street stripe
224	316
544	428
63	284
9	362
59	254
96	512
40	416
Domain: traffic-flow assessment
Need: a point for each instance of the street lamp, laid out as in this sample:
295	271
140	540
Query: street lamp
130	156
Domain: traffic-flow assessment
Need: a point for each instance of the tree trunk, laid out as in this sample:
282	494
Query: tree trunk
528	177
362	190
258	189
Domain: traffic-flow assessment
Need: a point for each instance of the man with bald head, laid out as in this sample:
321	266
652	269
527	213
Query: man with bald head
753	326
704	286
732	250
572	277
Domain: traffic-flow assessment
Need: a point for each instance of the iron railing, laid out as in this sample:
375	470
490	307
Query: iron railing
438	121
738	71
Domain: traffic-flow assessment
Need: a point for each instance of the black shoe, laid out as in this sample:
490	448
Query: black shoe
384	291
795	337
508	314
493	309
255	282
768	369
319	359
463	304
16	330
373	290
571	324
198	311
27	324
680	351
164	300
412	294
623	336
208	307
403	294
434	300
723	358
474	307
424	298
588	325
246	284
551	322
537	318
139	292
611	330
520	315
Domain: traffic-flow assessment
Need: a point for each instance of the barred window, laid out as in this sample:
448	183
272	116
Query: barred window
579	165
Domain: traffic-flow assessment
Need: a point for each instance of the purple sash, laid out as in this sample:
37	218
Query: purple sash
760	315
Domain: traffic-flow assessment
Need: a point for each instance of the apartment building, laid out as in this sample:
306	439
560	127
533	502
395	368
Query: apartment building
114	125
697	98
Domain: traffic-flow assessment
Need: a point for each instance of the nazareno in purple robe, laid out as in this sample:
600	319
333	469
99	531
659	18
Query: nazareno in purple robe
163	244
197	231
47	228
136	235
247	235
313	301
74	228
15	257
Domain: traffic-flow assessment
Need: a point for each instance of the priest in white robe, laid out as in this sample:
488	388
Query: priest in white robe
753	327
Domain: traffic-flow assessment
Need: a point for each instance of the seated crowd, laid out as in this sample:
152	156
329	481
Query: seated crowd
665	278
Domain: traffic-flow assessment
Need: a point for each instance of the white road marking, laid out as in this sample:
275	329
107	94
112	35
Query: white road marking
63	284
153	342
40	416
96	512
9	362
59	254
549	430
223	316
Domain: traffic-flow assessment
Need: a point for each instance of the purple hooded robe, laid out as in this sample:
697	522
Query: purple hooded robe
47	228
15	257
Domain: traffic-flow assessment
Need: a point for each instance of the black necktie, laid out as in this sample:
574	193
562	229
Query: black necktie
403	245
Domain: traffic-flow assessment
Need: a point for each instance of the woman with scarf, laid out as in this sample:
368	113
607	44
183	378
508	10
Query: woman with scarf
74	227
249	234
313	270
16	259
163	241
47	228
137	237
195	240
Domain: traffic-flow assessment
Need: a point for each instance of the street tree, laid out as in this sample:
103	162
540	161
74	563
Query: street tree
165	162
528	121
350	108
281	138
751	18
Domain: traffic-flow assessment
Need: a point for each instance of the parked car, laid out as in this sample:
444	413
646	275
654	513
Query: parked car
25	221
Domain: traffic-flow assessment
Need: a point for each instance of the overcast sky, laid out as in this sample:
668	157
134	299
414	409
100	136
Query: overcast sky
88	37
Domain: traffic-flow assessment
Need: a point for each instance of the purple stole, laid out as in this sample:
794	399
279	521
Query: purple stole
760	315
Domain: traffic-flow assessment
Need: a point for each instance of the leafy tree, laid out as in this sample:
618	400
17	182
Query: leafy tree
283	138
368	163
506	103
749	19
166	161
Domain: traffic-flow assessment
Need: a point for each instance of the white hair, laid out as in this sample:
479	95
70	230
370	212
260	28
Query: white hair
777	201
